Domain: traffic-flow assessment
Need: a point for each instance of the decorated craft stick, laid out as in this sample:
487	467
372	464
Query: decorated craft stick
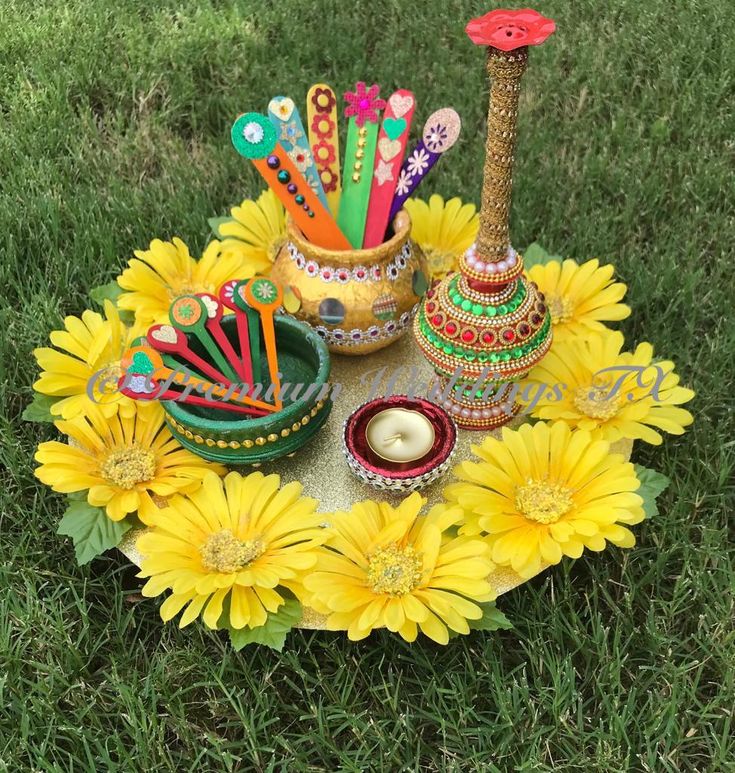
215	311
392	141
254	137
190	313
147	361
148	388
265	296
321	115
440	133
243	307
248	336
169	340
284	116
363	110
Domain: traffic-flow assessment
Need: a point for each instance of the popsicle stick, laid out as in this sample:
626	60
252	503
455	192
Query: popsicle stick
265	296
392	142
254	137
323	125
139	391
146	360
284	115
246	321
441	131
168	339
215	311
363	110
189	313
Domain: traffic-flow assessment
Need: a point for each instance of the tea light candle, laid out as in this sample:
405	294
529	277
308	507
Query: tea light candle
400	435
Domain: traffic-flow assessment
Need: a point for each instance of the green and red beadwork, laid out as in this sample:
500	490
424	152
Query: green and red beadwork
492	335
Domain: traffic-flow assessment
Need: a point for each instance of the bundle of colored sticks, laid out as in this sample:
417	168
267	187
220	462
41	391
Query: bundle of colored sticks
353	209
165	367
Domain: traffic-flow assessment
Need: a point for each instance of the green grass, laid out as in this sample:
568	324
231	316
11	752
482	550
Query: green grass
114	123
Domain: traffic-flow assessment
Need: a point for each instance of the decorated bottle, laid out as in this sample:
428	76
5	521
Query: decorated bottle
485	327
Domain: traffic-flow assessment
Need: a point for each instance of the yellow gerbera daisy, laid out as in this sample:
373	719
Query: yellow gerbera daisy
166	270
121	462
612	394
386	567
256	232
443	231
580	298
547	491
90	360
244	540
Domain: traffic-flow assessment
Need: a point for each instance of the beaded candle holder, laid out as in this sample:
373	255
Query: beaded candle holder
487	325
383	458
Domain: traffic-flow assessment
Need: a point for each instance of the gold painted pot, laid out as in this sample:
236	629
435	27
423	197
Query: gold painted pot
357	300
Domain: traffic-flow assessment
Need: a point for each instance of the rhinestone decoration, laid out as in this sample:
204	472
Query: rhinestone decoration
344	274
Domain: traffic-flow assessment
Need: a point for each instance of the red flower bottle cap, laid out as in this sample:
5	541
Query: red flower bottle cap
508	30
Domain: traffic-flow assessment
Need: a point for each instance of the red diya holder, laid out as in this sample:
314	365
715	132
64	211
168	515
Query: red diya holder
382	473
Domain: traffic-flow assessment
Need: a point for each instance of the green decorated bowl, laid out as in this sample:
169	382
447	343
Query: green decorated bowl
226	437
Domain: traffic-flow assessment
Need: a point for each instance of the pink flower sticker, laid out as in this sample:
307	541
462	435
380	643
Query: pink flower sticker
364	104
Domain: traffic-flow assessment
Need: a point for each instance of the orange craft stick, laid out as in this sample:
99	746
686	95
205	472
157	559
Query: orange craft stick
265	296
146	361
254	137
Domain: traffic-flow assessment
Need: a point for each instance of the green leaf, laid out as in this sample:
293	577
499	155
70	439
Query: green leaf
535	254
492	620
215	223
109	292
273	633
40	408
91	530
652	484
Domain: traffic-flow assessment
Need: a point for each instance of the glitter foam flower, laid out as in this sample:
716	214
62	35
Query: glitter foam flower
443	230
386	567
166	270
122	462
301	158
611	393
87	356
364	104
581	298
544	492
244	541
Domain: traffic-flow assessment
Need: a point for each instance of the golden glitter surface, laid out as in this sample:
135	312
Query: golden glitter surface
321	466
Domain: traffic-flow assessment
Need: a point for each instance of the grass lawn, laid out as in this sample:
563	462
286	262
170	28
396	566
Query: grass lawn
114	129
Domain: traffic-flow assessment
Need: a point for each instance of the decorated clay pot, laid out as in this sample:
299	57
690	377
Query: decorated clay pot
358	301
221	436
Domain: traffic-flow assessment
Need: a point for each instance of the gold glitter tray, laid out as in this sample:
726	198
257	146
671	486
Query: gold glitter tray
321	466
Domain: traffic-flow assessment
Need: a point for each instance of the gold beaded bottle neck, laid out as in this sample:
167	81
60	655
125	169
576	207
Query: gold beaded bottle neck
505	69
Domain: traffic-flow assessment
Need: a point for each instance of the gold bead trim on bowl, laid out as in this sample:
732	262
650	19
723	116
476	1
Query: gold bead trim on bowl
259	441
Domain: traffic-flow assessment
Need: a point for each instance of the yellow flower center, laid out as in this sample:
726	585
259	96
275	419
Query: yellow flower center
441	261
185	288
393	570
223	552
126	467
561	308
543	502
593	401
274	246
110	377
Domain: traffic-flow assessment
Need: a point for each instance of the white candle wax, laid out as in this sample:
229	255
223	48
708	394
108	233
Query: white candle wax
400	435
